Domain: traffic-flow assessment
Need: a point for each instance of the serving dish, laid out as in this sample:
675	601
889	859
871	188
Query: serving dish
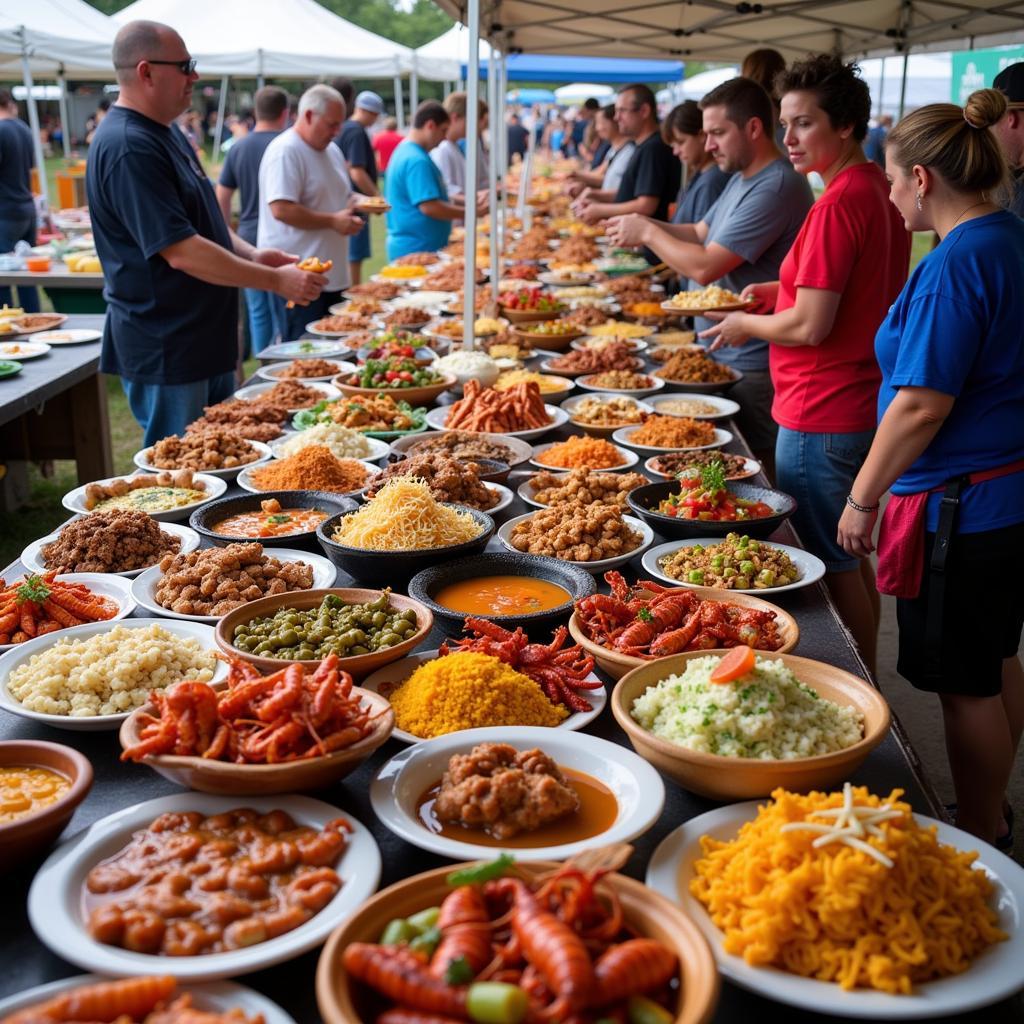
552	342
387	679
305	348
143	588
638	789
273	371
521	450
252	391
245	481
378	449
700	308
9	368
636	345
724	407
54	900
751	467
629	459
22	350
141	459
32	556
21	325
993	976
74	501
319	332
741	778
700	387
597	429
624	435
414	396
436	420
12	659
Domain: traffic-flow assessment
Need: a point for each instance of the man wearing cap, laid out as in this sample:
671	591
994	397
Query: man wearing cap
1009	130
354	142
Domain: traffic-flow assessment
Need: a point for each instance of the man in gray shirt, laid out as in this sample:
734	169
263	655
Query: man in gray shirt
742	239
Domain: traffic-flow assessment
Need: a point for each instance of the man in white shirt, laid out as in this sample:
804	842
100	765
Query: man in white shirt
305	195
448	157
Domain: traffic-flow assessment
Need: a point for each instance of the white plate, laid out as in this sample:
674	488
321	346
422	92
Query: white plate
570	404
73	336
752	467
630	459
399	671
273	373
245	480
144	586
422	299
214	997
622	435
329	391
582	381
637	345
63	337
810	567
22	350
54	900
638	788
262	449
101	584
74	501
96	723
436	417
32	556
307	348
599	567
994	975
725	407
378	449
400	282
566	279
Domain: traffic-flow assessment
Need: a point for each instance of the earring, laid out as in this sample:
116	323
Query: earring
920	196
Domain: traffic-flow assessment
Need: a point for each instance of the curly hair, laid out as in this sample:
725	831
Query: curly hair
838	88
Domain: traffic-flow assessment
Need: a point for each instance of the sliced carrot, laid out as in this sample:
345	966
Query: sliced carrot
736	664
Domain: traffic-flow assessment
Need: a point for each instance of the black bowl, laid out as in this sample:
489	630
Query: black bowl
206	516
644	501
579	583
397	567
493	470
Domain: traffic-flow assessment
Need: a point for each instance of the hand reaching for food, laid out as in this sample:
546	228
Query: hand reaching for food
301	283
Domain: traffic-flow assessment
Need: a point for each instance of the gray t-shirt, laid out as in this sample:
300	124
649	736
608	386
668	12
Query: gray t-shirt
757	218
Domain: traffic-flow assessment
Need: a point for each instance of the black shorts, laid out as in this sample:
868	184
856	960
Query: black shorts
982	616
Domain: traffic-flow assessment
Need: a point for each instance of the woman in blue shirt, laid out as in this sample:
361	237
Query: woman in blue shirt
950	448
683	130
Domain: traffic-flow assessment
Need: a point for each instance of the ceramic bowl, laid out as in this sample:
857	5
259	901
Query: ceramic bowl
586	382
740	778
211	486
342	1002
357	666
414	396
528	316
521	451
263	454
700	387
629	459
436	419
254	391
492	471
204	519
644	502
594	429
551	342
723	407
274	372
245	480
33	832
227	778
427	583
624	436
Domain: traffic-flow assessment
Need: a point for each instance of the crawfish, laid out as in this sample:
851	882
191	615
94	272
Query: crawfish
631	967
466	931
398	974
664	612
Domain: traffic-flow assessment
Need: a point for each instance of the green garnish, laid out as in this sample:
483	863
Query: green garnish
278	518
482	872
712	477
644	615
33	589
459	972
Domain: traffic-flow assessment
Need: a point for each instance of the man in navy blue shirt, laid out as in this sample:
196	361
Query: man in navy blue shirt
354	143
241	171
17	208
171	264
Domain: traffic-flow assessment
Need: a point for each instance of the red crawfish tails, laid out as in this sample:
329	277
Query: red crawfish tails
631	967
465	928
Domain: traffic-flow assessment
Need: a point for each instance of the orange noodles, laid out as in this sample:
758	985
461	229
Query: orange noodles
828	910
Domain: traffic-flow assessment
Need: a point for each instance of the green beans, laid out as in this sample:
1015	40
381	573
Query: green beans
346	629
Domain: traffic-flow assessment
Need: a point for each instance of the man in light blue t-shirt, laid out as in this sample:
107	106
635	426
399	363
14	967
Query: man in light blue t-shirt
742	239
421	215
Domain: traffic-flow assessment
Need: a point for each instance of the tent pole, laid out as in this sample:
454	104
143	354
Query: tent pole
881	90
399	111
414	91
492	168
33	120
65	127
502	130
472	155
903	82
219	129
260	81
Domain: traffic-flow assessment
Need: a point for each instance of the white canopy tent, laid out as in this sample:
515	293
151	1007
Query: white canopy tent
580	92
928	80
442	59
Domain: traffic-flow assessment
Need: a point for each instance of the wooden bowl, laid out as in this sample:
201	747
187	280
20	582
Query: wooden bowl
651	914
548	342
358	666
617	665
34	832
741	778
528	316
226	778
414	396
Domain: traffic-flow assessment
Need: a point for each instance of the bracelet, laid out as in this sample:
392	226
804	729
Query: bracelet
860	508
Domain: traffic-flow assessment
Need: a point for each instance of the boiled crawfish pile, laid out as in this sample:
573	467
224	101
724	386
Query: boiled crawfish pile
667	620
560	673
257	719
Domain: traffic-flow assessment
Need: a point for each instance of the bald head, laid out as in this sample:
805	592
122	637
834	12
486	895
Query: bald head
150	60
137	41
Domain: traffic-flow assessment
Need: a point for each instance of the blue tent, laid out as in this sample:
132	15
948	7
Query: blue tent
531	96
543	67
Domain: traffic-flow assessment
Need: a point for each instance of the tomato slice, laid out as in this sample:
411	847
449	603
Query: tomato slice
736	664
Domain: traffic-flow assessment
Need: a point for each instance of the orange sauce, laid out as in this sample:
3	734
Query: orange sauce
25	790
502	595
597	813
271	524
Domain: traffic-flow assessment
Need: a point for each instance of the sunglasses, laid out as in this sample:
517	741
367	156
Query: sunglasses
186	67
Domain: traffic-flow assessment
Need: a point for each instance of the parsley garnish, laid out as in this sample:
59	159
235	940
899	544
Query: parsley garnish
712	477
459	972
33	589
644	615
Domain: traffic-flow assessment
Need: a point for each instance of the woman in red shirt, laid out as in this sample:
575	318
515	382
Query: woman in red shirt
835	286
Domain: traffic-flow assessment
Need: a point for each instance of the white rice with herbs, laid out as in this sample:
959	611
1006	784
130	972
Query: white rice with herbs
767	714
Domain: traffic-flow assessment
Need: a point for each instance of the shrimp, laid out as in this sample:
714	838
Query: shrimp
399	975
632	967
466	931
105	1000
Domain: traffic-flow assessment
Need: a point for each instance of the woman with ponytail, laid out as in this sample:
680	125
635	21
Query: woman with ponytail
950	448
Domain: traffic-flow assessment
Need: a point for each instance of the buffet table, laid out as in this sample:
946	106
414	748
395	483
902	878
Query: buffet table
822	636
69	292
56	408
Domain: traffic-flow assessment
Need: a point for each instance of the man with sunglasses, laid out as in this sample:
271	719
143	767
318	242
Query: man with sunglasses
172	267
1009	130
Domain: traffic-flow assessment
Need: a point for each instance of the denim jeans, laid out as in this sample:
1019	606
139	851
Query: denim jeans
293	321
164	409
12	231
259	306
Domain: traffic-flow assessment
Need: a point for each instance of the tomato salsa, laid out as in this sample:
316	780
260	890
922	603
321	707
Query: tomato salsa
706	498
271	520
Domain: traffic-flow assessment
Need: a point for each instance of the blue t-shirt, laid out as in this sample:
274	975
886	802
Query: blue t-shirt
16	160
957	328
412	179
699	195
147	191
241	170
758	218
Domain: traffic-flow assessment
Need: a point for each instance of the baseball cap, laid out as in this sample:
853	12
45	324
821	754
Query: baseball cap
1010	82
370	101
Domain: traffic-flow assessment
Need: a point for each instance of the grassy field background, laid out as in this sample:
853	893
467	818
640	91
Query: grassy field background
43	513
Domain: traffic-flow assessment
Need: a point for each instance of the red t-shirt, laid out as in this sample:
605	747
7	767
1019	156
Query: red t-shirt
384	144
853	242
